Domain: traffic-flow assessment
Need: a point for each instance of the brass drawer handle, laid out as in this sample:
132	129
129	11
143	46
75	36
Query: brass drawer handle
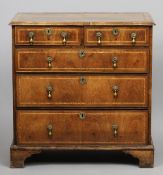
31	37
99	37
115	90
50	130
83	80
133	37
114	62
49	59
82	115
49	91
64	35
115	130
115	32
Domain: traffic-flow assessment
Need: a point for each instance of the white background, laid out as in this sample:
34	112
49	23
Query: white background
8	9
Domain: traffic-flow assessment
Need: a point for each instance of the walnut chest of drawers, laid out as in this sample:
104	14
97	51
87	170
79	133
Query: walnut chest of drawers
82	81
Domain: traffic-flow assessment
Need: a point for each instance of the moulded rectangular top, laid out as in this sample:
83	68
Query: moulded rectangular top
82	19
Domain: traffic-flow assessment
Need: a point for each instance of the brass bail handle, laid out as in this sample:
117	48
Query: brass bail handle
115	90
31	37
49	91
64	35
115	130
133	37
99	37
50	130
49	59
114	62
83	80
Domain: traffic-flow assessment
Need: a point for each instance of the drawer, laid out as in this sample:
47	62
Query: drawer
81	127
85	90
116	36
47	36
77	60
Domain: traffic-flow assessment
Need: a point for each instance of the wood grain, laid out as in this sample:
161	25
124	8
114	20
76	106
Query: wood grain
70	129
68	91
69	60
130	110
41	38
82	19
123	38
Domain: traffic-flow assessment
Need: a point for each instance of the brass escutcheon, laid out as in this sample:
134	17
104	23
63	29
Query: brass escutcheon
48	32
82	115
82	53
115	32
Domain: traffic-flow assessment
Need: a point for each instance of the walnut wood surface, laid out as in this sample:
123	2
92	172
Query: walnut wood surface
144	153
69	128
69	60
41	38
68	91
123	38
82	19
131	109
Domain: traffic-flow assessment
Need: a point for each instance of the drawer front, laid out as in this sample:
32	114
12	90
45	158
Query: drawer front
87	60
79	128
87	90
116	36
47	36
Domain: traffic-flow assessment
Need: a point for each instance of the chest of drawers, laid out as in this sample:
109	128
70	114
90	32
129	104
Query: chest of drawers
82	81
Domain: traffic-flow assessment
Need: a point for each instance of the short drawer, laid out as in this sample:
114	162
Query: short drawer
85	90
81	127
47	36
101	36
77	60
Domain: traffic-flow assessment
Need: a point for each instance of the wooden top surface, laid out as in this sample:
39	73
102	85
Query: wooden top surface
82	19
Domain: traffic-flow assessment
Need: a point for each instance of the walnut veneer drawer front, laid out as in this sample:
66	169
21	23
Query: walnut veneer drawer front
82	127
74	90
48	36
87	60
116	36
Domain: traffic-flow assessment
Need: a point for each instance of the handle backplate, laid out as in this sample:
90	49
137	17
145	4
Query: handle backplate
31	37
115	90
50	130
99	37
115	130
49	91
64	35
114	62
133	37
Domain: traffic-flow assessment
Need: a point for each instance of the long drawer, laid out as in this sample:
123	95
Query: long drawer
84	59
81	90
81	127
